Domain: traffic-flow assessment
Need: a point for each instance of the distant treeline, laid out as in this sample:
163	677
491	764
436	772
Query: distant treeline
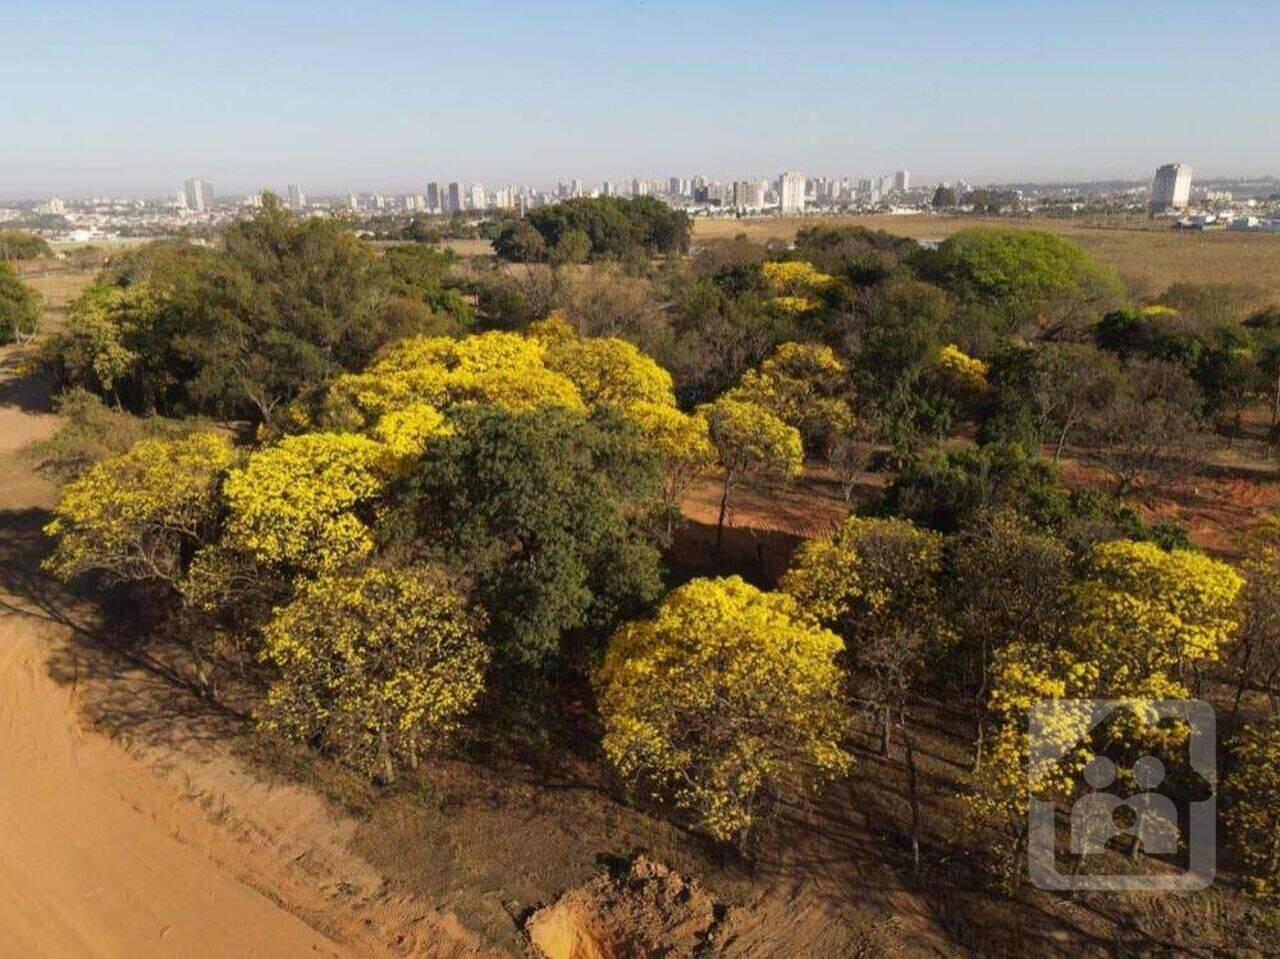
594	228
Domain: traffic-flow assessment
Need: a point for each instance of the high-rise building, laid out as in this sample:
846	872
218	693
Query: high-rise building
1171	188
297	199
748	195
791	192
639	187
608	188
197	194
453	203
476	198
353	202
673	186
902	181
435	197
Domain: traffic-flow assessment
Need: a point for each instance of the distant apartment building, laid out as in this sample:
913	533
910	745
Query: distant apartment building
902	181
197	195
791	192
1171	188
353	202
608	188
52	207
639	187
476	199
297	199
748	195
674	186
435	197
453	202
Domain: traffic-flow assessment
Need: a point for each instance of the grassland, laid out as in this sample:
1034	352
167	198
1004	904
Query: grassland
1149	255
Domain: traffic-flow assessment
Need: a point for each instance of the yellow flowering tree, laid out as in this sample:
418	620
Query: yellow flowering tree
1145	612
875	583
138	516
750	441
298	504
963	374
682	441
1253	817
377	667
802	384
793	284
502	369
608	370
726	699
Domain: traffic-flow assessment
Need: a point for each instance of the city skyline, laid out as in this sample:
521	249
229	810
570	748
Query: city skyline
392	95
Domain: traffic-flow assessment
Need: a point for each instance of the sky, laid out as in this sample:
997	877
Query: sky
134	96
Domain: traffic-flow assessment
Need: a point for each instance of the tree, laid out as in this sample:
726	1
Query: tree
875	584
726	700
682	441
750	442
1023	278
1258	639
902	321
520	242
606	370
611	226
277	313
140	518
304	503
1149	427
803	384
1253	816
377	666
19	306
1008	584
21	245
1144	613
551	514
944	197
502	369
139	515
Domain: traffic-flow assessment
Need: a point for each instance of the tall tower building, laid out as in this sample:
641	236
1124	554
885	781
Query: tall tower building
297	199
1171	188
454	200
198	195
902	181
791	192
435	197
477	197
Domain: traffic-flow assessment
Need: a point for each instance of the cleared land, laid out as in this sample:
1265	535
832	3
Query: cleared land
1149	255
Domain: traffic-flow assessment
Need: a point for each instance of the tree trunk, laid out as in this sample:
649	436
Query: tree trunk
384	753
1243	681
913	794
724	511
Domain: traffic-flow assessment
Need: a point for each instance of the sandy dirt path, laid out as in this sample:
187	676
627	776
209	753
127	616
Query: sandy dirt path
154	849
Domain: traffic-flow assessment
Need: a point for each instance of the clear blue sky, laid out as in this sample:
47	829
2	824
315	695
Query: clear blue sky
136	95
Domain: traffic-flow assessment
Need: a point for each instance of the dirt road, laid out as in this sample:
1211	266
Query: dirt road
112	853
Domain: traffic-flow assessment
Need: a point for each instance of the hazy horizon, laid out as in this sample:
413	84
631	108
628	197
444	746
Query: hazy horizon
392	95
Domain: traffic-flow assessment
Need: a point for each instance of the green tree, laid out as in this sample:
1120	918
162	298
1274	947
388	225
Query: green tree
1023	278
553	515
19	306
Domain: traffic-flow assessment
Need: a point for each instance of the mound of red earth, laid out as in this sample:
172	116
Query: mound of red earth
644	909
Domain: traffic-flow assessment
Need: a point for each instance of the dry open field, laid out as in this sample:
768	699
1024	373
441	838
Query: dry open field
1149	256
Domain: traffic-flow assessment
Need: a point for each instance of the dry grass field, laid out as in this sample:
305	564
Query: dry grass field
1149	255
